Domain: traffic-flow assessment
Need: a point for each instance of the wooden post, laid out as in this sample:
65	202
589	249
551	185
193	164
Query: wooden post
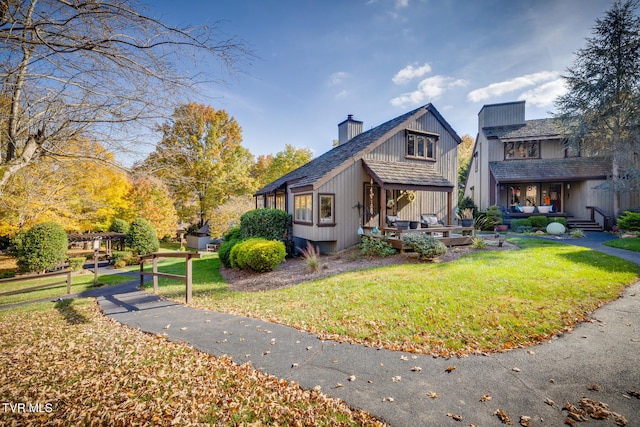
155	277
141	275
69	282
188	279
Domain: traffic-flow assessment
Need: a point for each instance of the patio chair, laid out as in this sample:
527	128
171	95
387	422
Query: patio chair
430	220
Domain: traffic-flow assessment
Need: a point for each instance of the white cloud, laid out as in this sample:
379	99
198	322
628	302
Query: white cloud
430	88
342	94
402	3
409	72
337	78
545	95
507	86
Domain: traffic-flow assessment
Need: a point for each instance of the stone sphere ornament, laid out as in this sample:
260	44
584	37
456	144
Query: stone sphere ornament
555	228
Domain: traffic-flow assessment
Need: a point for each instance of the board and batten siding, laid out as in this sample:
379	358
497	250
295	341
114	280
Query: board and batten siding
509	113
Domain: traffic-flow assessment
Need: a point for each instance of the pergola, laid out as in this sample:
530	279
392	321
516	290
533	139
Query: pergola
107	237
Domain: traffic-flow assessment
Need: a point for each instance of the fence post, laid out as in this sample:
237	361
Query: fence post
68	282
188	278
141	275
155	277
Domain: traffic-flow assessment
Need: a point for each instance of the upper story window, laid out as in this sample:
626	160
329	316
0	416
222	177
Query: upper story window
303	208
522	150
420	146
572	151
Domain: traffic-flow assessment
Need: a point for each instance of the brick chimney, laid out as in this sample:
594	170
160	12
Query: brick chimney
348	129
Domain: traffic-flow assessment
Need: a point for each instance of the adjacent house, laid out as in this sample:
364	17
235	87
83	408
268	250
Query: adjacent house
404	167
524	165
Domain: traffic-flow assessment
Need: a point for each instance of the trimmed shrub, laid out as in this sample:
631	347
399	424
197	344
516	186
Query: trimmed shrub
372	247
426	246
141	237
119	225
233	236
629	221
271	224
489	219
524	229
517	223
122	258
258	254
538	221
562	220
40	248
77	263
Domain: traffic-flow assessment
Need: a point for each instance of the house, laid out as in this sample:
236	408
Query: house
525	165
404	167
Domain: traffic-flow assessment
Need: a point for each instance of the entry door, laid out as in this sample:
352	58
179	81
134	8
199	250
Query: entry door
555	196
371	199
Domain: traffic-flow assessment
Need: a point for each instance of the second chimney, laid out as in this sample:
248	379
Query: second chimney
348	129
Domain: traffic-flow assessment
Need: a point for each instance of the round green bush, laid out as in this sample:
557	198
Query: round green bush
562	220
258	254
375	246
517	223
426	246
40	248
141	238
629	221
224	252
119	226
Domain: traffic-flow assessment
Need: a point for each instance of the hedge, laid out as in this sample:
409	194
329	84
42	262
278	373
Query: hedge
517	223
538	221
562	220
40	248
271	224
257	254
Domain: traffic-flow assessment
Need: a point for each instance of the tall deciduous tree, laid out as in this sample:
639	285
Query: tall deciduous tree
95	67
80	195
149	198
201	159
601	110
465	151
271	167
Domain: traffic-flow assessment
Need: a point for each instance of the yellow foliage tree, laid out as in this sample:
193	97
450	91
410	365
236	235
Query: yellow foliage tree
80	195
149	198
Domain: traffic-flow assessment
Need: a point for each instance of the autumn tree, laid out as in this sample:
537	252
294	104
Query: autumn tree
80	195
201	159
150	198
271	167
465	151
601	110
95	68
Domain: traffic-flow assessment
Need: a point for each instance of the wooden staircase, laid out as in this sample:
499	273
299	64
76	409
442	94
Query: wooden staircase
584	224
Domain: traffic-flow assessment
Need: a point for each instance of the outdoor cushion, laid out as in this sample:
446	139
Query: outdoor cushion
430	220
391	220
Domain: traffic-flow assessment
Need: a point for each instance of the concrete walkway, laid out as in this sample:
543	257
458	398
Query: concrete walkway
598	360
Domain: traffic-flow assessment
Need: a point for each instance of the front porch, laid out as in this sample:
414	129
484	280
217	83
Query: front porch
449	235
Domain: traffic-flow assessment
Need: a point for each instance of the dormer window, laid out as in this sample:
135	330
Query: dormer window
522	150
421	146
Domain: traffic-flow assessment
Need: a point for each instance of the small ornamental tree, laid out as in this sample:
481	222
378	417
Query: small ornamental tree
141	237
40	248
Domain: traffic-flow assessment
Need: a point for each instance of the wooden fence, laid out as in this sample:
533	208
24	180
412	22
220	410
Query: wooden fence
188	271
35	277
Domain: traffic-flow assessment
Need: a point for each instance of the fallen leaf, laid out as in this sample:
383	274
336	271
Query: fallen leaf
525	421
168	326
502	416
515	369
455	416
634	393
338	385
388	399
550	402
450	369
593	387
403	357
396	379
485	398
433	395
352	378
416	369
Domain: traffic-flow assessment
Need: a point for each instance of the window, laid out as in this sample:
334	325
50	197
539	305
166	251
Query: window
270	201
303	208
521	150
572	150
420	146
280	201
327	214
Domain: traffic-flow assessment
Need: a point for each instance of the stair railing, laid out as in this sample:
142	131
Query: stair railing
606	218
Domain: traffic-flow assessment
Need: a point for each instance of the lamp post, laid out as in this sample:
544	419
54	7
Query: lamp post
97	240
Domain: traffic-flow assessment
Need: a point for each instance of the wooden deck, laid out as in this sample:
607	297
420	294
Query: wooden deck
450	236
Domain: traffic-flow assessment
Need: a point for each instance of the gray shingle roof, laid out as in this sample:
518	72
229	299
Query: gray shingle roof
532	129
570	169
406	174
311	172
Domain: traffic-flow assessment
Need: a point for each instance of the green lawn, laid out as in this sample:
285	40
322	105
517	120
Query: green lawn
484	301
79	283
630	244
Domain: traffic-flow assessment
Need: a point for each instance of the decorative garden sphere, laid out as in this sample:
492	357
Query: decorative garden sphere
555	228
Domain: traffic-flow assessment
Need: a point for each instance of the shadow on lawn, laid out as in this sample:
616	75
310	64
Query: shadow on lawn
602	261
70	314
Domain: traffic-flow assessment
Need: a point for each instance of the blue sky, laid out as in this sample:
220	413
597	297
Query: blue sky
317	61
